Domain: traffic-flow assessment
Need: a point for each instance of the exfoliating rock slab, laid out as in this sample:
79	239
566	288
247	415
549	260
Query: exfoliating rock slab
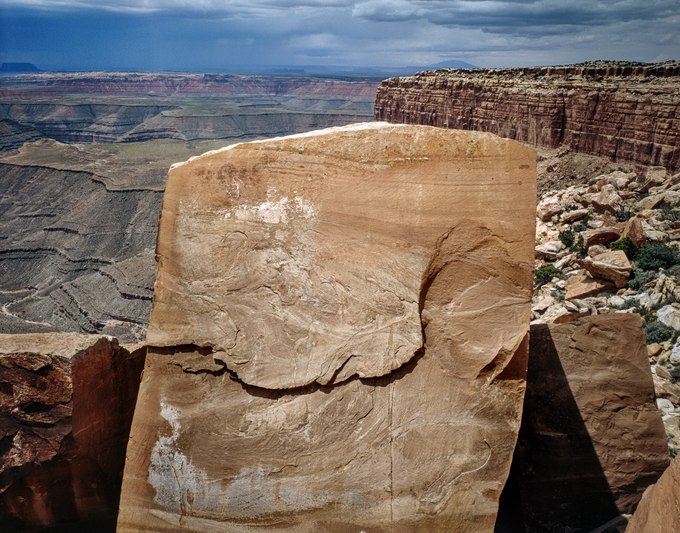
340	323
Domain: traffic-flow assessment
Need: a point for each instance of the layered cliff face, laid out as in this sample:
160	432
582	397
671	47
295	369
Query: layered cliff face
339	335
623	113
135	107
133	122
150	83
74	255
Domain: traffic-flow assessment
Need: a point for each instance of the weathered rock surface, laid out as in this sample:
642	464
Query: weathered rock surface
612	265
66	405
340	325
659	509
618	112
581	285
592	438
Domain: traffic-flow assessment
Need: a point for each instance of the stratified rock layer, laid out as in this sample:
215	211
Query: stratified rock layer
627	113
66	404
340	325
592	438
74	254
659	509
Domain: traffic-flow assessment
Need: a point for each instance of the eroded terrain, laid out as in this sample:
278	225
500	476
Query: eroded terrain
83	162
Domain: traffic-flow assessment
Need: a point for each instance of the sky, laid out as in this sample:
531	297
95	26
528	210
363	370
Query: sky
214	35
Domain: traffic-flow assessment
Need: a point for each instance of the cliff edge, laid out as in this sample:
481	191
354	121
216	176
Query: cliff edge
620	111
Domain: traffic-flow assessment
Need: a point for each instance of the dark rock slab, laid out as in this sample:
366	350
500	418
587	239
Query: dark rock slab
592	438
66	405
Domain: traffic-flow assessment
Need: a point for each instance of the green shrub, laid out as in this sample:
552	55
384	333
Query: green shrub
545	273
656	255
579	246
639	278
655	331
581	225
674	272
669	213
623	213
567	237
626	244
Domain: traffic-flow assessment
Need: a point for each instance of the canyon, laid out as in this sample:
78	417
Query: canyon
287	386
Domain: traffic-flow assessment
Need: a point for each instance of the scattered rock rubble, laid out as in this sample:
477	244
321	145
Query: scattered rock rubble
612	245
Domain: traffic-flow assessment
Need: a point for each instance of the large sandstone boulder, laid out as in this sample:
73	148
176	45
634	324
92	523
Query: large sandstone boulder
340	326
659	509
592	438
66	405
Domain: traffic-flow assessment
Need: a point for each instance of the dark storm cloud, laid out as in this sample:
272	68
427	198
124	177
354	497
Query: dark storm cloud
211	34
512	16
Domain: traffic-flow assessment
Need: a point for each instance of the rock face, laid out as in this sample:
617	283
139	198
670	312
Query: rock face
592	438
659	509
13	135
339	325
66	404
624	113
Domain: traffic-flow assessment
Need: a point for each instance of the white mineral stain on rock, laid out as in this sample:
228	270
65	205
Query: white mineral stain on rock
179	485
304	208
275	211
258	488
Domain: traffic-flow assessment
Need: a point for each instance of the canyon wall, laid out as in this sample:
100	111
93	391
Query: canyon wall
74	254
622	113
338	340
184	84
132	107
135	122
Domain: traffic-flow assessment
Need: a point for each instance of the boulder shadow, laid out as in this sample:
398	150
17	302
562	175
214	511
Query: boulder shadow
556	481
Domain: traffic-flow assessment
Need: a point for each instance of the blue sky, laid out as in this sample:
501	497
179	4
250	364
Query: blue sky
210	35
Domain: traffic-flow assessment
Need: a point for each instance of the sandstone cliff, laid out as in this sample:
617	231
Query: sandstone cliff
339	335
623	113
